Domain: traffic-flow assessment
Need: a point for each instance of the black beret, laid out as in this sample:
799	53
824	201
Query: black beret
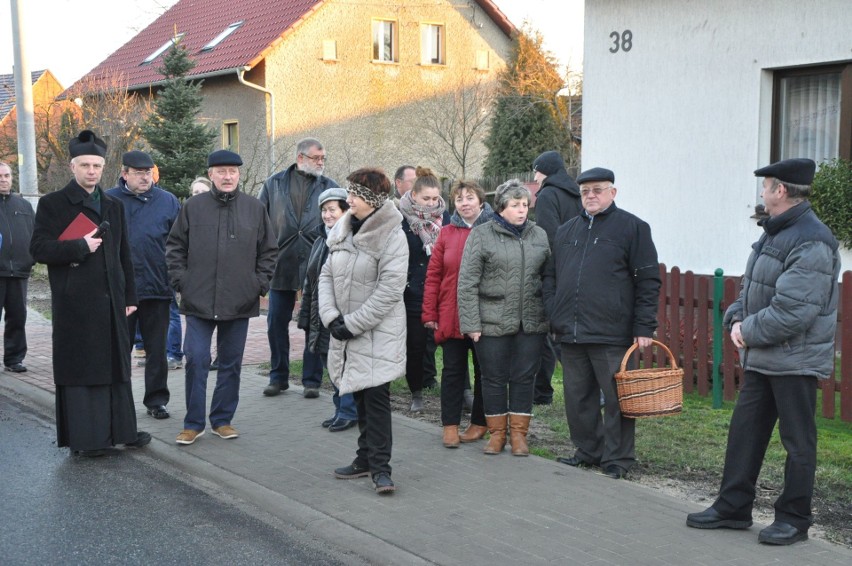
548	163
223	157
137	160
596	174
797	171
87	143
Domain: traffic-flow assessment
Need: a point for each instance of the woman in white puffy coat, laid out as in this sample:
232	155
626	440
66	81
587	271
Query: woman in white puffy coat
360	302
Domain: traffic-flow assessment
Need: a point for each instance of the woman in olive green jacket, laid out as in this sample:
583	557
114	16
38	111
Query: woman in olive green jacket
501	309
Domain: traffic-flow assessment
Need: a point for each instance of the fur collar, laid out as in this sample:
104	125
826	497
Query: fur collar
374	235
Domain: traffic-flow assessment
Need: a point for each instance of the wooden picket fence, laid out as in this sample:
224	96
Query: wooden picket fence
687	315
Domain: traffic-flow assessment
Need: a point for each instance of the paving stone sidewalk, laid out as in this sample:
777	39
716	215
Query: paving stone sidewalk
451	506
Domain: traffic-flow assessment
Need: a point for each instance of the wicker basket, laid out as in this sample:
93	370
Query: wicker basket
651	392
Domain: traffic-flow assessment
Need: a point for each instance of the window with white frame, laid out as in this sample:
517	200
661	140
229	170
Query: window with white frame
162	49
812	113
221	37
385	41
432	44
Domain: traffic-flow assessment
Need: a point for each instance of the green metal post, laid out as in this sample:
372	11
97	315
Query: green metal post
718	288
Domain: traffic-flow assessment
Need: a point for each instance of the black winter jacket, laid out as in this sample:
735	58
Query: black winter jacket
294	236
16	226
418	264
557	201
309	316
602	283
221	254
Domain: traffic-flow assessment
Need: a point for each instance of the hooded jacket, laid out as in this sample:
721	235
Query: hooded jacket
788	300
556	202
294	234
149	219
16	227
220	255
363	280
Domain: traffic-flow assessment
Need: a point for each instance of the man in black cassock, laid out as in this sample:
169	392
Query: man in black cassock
92	292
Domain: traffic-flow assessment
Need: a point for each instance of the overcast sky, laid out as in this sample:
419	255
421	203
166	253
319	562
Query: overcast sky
71	37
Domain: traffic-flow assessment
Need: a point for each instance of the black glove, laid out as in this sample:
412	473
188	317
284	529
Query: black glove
338	329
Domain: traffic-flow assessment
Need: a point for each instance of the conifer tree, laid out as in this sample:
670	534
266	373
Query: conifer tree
180	144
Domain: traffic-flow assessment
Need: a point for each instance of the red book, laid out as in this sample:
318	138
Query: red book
78	228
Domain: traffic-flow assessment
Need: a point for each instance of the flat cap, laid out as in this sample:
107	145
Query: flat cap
137	160
548	163
596	174
798	171
87	143
334	193
223	157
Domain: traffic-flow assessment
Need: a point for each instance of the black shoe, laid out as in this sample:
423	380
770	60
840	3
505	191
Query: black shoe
95	453
351	472
383	483
310	392
615	472
16	368
575	462
781	534
328	422
214	365
273	389
712	519
158	412
341	424
431	383
142	439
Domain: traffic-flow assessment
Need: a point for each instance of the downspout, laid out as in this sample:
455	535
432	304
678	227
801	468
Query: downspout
271	135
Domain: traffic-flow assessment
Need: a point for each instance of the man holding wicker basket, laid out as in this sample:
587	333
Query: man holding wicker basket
601	290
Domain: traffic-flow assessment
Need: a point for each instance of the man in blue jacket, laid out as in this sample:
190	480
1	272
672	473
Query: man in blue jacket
291	198
149	212
16	229
784	324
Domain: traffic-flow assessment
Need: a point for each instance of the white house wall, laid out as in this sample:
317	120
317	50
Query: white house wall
683	116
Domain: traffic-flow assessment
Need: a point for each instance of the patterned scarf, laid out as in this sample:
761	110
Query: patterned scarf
425	221
372	199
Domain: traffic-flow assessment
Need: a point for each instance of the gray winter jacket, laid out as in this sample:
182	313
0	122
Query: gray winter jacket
788	301
500	281
363	279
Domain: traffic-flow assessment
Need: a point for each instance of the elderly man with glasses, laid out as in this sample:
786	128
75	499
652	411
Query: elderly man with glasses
149	212
291	198
601	290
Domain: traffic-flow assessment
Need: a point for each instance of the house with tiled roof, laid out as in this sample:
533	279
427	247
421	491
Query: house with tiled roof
363	77
45	90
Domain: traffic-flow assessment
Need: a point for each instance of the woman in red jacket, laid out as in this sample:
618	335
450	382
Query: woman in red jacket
441	313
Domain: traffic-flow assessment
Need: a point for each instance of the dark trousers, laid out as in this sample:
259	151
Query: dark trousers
281	305
374	425
589	370
152	315
791	401
430	370
174	349
549	355
13	299
231	343
415	343
454	379
509	362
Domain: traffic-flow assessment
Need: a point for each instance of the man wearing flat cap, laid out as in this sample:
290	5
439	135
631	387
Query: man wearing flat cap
220	255
149	213
92	292
601	290
784	324
556	202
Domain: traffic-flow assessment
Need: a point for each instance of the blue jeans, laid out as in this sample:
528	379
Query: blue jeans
344	405
231	339
173	342
281	305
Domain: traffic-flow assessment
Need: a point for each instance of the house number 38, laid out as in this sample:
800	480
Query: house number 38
621	41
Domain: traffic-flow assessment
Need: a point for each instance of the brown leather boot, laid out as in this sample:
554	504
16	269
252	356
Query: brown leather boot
451	436
497	427
473	433
519	425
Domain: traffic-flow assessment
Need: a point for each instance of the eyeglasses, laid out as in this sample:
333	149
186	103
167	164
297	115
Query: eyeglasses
596	191
315	158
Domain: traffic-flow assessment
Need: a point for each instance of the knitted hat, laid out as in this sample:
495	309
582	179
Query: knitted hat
548	163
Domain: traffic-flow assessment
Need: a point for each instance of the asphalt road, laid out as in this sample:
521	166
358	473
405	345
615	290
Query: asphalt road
123	509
